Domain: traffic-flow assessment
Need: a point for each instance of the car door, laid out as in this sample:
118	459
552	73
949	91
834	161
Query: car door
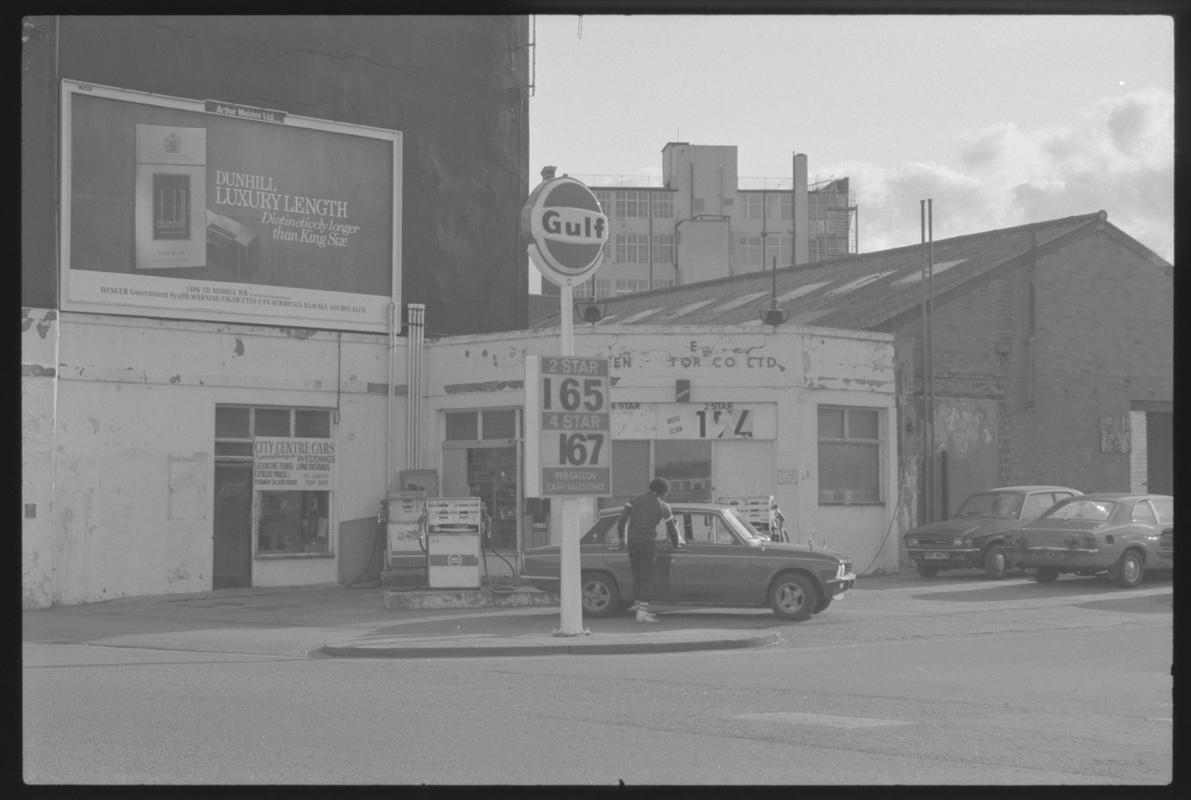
712	566
1036	503
613	556
1145	521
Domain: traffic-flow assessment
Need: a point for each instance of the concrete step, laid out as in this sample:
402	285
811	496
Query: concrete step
492	596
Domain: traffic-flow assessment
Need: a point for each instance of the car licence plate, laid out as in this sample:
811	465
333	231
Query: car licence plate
936	556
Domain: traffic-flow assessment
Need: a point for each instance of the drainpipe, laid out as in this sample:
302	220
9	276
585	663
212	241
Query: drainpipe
649	244
389	400
416	318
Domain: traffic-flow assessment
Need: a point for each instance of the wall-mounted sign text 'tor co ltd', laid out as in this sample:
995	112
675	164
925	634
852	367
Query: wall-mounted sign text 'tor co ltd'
568	427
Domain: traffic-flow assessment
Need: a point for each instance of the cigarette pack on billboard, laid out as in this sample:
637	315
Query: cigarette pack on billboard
171	197
232	245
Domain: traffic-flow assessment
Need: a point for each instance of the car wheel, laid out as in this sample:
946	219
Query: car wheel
600	595
793	596
1130	569
927	572
995	564
1046	574
822	606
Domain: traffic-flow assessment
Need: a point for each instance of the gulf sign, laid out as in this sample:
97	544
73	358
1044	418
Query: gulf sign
566	230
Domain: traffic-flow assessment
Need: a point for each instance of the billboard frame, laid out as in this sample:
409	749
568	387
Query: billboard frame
303	307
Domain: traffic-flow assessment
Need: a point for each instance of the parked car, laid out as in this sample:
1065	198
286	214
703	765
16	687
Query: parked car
1166	547
725	561
975	536
1118	535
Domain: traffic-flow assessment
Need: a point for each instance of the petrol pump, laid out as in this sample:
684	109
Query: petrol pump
454	526
405	525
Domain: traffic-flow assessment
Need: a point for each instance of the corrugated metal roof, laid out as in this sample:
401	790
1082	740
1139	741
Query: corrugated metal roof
869	289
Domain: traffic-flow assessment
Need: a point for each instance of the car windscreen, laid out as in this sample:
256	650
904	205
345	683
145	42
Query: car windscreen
741	526
991	504
1082	508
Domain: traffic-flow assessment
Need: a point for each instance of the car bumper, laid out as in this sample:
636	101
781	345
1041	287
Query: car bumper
837	586
949	557
1064	558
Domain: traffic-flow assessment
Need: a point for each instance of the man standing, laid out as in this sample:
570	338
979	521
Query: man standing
641	516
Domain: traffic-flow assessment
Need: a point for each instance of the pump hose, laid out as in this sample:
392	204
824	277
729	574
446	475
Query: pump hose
494	587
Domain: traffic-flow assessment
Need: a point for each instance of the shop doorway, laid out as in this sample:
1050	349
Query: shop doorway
1160	452
490	473
232	540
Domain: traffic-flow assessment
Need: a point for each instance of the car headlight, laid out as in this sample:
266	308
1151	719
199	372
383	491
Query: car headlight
959	541
912	541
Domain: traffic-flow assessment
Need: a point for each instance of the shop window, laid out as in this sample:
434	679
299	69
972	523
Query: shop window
462	426
233	423
501	424
473	426
287	521
293	522
272	422
492	477
312	424
686	464
849	455
487	467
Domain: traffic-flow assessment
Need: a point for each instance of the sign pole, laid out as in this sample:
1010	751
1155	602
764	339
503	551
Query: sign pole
570	595
567	231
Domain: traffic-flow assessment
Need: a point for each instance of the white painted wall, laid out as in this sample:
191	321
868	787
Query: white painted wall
796	368
127	493
39	360
118	429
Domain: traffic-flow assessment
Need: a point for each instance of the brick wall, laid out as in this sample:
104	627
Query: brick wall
1101	335
1104	338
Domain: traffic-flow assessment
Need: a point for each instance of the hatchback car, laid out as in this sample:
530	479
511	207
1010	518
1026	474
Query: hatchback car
724	561
975	536
1118	535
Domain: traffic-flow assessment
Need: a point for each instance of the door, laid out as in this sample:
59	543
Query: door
712	567
1159	452
232	562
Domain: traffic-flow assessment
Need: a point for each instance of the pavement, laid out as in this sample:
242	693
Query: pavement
388	620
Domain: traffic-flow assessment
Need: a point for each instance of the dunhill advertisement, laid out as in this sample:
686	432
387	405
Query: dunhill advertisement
209	210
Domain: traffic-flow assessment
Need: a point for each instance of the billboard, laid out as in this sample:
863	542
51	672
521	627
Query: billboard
217	211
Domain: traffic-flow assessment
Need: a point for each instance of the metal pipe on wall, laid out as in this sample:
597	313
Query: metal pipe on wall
930	339
389	400
416	316
924	514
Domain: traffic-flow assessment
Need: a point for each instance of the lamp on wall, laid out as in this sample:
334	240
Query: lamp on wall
591	310
773	315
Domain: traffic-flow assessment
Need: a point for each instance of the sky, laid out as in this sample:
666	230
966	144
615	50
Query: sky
998	120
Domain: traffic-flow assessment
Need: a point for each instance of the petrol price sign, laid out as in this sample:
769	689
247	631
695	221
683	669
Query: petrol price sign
568	427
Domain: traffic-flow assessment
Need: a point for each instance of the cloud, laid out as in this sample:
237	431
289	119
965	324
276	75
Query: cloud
1117	155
